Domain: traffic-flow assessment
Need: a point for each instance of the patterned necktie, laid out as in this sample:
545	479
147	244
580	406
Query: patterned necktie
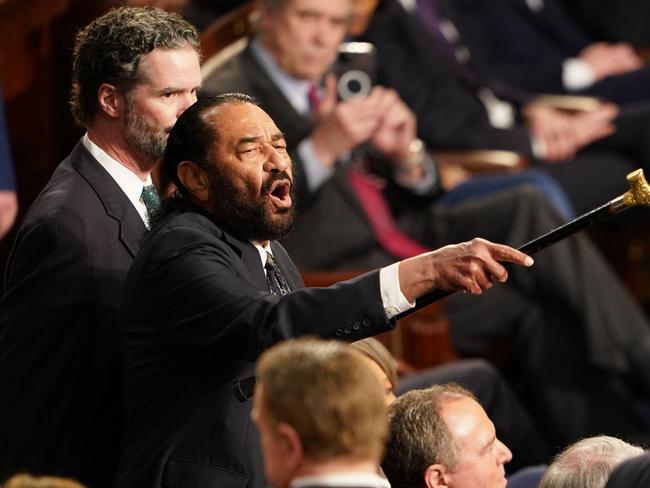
277	284
151	200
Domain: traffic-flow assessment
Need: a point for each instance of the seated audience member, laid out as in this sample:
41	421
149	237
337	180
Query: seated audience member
559	327
587	463
442	437
538	47
321	416
633	473
511	420
27	481
457	109
211	289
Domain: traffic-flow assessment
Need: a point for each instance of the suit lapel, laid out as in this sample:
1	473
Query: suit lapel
289	270
115	202
250	259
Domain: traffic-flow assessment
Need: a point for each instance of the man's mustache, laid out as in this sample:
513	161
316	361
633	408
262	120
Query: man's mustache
276	176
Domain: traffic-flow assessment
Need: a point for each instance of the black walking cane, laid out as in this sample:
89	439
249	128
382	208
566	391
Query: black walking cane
637	194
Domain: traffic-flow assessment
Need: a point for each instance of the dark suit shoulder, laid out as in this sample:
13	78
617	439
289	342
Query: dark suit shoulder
229	77
62	196
181	230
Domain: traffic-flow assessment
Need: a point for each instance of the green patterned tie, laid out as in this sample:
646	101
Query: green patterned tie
151	200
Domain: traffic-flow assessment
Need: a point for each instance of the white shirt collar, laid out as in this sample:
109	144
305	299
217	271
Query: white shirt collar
263	251
127	180
342	479
296	91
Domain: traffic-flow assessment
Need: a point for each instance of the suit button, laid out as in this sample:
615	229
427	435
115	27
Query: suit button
339	333
347	330
367	322
356	325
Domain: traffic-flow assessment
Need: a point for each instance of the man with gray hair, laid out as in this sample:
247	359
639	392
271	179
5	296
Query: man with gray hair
588	463
135	70
441	436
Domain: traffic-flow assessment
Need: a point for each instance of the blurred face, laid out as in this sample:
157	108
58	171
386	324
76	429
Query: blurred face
389	388
304	35
362	11
481	455
171	79
250	179
276	469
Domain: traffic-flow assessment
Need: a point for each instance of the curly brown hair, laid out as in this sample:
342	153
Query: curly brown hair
109	50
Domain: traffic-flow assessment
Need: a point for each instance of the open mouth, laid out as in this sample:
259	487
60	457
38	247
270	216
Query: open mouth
280	193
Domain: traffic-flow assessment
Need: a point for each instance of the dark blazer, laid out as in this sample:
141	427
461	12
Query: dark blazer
197	314
613	21
522	47
516	46
631	473
449	112
60	370
344	238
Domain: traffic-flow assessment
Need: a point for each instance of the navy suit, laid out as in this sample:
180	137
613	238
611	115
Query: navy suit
197	314
613	21
519	47
60	367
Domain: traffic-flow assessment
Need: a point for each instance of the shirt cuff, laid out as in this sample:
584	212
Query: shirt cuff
392	297
576	74
316	173
426	183
538	147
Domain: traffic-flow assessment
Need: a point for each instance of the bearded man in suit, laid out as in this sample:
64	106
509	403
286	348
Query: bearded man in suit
134	72
211	288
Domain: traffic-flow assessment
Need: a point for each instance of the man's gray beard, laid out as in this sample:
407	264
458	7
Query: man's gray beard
143	137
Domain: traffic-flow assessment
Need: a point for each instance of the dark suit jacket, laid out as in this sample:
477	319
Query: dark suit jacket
613	21
449	112
343	238
197	315
60	371
516	46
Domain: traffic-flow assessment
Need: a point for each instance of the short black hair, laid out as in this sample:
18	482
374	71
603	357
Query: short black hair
192	137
